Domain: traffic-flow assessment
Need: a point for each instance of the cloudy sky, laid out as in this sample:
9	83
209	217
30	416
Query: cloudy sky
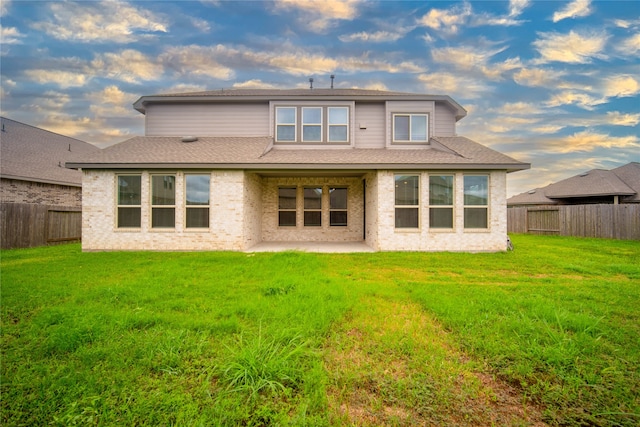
556	84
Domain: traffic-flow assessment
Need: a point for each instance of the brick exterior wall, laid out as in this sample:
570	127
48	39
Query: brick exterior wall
18	191
458	239
271	232
244	212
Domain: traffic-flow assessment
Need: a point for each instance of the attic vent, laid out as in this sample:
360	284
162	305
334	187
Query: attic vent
532	191
189	138
584	174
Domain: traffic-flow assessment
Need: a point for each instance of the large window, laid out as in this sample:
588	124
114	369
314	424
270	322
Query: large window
312	124
313	207
163	201
407	200
129	201
338	207
441	201
338	124
197	200
410	127
286	124
287	206
476	201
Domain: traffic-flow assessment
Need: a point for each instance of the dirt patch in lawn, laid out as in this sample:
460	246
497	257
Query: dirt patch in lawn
390	363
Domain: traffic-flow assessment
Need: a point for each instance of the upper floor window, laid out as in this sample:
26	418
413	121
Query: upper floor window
129	201
476	201
286	124
410	127
312	124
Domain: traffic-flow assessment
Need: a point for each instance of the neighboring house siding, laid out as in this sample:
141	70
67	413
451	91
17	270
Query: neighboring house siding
457	239
271	232
18	191
226	216
371	116
444	121
208	120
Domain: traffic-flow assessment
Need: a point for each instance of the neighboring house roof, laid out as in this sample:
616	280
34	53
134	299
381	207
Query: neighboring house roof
29	153
623	181
260	153
252	95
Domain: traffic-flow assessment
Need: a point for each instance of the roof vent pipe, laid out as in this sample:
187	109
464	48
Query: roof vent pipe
311	83
333	76
189	139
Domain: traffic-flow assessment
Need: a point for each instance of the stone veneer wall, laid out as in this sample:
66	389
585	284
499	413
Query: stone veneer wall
226	216
425	239
271	232
18	191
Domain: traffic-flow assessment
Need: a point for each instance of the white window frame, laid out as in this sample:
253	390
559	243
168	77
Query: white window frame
410	116
294	124
319	124
330	125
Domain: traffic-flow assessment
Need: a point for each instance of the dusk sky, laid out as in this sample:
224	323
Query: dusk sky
555	84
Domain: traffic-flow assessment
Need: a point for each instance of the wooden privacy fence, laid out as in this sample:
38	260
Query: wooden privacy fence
25	225
604	221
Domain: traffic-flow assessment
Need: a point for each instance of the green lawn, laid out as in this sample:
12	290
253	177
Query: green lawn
548	333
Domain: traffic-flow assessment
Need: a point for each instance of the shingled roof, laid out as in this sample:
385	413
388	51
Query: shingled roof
266	95
29	153
260	153
623	181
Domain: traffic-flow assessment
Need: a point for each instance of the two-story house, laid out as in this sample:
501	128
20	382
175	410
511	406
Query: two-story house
228	169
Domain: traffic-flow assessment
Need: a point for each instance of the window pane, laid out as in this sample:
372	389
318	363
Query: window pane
286	115
163	217
286	198
129	190
338	115
476	190
198	189
197	217
338	198
406	189
337	133
475	217
441	190
163	190
338	218
313	198
287	218
311	133
401	128
441	217
406	218
129	217
286	133
418	128
312	115
313	218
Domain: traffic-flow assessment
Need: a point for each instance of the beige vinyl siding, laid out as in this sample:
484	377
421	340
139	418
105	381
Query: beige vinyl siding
419	107
371	116
444	122
208	120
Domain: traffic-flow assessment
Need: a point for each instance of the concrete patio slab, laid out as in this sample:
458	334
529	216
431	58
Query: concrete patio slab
317	247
